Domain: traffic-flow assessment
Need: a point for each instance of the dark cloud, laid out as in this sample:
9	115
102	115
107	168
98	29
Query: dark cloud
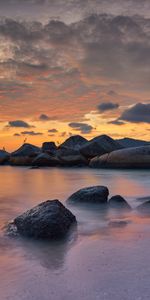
44	117
107	106
53	130
16	134
116	122
31	133
82	127
138	113
19	123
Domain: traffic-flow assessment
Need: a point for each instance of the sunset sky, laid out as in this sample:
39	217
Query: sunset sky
73	67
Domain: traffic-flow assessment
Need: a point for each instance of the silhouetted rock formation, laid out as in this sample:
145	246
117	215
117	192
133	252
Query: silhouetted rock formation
24	155
138	157
129	143
75	142
99	146
89	195
4	157
49	147
45	160
70	157
48	220
118	202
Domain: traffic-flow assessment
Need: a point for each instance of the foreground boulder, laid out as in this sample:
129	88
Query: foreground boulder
4	157
118	202
99	145
138	157
94	194
74	142
24	155
144	208
45	160
48	220
49	147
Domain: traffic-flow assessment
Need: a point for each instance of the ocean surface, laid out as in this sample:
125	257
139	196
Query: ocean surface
96	262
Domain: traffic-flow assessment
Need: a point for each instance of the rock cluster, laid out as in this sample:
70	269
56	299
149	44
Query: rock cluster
52	220
76	151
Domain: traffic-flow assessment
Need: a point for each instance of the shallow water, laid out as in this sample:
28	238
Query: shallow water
98	261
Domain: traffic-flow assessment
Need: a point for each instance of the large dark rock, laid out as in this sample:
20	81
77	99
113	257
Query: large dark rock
118	202
48	220
4	157
66	151
129	142
138	157
45	160
24	155
49	147
75	142
70	157
144	208
94	194
99	145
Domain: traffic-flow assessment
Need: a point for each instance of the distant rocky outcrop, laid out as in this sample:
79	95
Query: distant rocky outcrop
89	195
138	157
118	202
4	157
48	220
99	146
45	160
129	143
24	155
75	142
70	157
49	147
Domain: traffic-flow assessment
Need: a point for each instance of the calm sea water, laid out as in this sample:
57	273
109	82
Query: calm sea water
96	262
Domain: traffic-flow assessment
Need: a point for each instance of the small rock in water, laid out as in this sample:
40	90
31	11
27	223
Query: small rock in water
48	220
144	208
118	223
90	195
118	202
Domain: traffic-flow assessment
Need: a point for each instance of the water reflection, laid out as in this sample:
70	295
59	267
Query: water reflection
23	188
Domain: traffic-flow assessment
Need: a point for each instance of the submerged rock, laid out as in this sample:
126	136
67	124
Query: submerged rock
138	157
45	160
118	202
4	157
99	145
24	155
89	195
48	220
118	223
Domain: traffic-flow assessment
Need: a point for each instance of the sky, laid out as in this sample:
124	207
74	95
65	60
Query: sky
73	67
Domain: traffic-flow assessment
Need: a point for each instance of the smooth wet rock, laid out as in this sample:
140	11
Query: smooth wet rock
118	202
4	157
98	146
48	220
49	147
74	142
45	160
24	155
118	223
144	208
90	195
136	158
